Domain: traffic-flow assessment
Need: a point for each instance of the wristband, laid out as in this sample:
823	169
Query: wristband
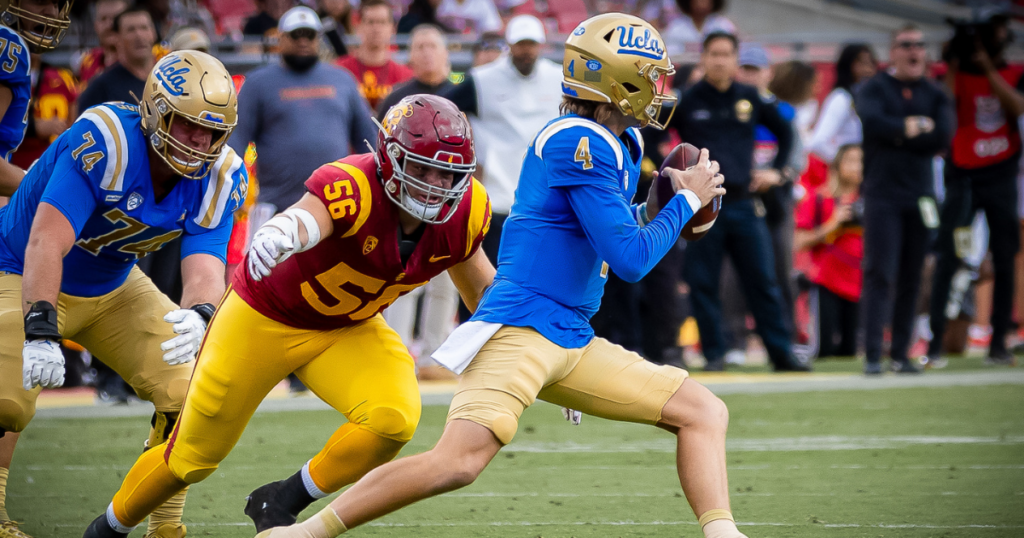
41	322
641	213
205	310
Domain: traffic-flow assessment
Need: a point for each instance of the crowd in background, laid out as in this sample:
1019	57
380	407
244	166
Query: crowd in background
793	251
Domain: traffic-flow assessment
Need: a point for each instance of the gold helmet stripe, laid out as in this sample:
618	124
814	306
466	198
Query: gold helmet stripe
566	123
115	140
217	194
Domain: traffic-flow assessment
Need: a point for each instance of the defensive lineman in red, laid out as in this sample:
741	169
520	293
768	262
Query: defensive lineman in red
371	228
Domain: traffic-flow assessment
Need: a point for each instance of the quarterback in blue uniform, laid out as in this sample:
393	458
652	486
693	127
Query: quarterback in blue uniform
530	337
119	184
25	26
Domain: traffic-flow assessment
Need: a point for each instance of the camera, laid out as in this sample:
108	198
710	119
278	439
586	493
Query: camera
856	214
988	30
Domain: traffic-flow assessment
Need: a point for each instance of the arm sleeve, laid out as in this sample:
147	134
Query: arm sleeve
248	127
71	191
834	113
877	123
611	227
464	96
783	130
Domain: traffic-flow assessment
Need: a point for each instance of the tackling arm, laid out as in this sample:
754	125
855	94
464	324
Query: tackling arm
472	277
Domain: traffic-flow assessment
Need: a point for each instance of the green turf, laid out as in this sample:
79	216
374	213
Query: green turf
937	462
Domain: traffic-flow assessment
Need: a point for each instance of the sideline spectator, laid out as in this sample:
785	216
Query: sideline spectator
907	119
981	175
508	101
286	109
371	63
54	92
189	38
838	124
428	58
699	19
420	12
96	60
136	36
721	115
469	16
336	17
264	23
829	226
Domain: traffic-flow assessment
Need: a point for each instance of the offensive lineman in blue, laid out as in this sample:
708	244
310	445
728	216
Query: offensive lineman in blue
119	184
530	336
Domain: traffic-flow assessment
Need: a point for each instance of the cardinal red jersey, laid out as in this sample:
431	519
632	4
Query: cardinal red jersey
356	272
375	82
983	136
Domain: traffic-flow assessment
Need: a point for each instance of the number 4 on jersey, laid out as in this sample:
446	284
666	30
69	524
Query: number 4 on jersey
583	153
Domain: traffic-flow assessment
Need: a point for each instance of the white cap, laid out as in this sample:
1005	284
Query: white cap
524	28
299	17
189	38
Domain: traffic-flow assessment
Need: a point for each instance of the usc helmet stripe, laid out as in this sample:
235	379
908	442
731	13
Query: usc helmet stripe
479	214
365	197
114	138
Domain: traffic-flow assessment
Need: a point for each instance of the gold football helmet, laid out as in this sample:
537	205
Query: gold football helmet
619	59
189	86
40	32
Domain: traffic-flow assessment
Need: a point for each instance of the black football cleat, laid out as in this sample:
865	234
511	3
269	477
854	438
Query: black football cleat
99	528
277	504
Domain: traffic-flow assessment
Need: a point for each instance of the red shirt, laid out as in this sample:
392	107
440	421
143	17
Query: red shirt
356	272
93	63
983	136
375	83
836	263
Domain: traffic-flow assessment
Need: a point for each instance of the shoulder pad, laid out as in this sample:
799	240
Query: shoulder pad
345	190
224	191
108	148
575	129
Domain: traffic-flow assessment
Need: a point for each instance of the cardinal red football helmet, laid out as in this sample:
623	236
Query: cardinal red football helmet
427	130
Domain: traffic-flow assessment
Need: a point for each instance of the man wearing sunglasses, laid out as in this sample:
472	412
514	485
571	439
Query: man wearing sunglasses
286	109
907	120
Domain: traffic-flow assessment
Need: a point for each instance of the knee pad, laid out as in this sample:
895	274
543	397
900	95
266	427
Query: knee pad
392	422
161	426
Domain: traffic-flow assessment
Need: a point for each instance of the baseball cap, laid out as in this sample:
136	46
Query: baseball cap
299	17
754	55
524	28
190	38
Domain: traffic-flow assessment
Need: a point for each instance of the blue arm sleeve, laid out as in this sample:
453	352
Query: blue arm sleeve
71	191
630	251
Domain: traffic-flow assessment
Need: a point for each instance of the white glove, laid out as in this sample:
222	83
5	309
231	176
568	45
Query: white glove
269	247
42	364
573	416
190	327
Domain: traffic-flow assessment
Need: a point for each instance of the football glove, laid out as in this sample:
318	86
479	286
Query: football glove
190	327
573	416
42	364
270	246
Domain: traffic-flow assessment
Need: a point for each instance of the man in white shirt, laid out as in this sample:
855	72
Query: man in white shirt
508	101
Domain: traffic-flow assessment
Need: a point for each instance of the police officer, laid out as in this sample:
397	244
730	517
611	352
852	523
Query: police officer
981	173
907	120
721	115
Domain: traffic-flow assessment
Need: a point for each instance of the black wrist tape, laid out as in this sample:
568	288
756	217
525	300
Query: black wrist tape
41	322
205	310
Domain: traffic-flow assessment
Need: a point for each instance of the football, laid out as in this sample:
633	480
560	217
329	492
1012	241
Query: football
683	157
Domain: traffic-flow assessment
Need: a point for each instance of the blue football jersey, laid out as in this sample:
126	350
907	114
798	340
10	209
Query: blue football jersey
15	73
97	174
571	222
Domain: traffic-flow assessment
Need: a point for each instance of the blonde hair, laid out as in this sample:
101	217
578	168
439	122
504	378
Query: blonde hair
599	112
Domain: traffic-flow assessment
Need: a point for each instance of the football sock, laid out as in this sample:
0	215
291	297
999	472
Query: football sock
718	523
147	485
3	494
307	482
351	452
168	513
324	524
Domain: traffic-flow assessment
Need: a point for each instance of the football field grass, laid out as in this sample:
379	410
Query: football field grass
911	462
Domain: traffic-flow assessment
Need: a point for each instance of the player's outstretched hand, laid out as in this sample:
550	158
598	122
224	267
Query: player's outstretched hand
42	364
190	327
269	247
703	179
573	416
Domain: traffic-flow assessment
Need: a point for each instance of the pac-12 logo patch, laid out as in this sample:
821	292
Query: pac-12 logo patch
171	74
369	245
134	201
